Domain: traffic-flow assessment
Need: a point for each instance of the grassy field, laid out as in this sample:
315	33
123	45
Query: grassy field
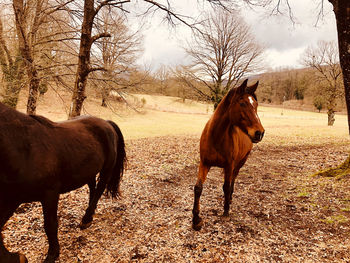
162	116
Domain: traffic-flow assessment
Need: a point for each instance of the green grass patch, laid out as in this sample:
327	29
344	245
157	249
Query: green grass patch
338	172
336	219
303	193
345	209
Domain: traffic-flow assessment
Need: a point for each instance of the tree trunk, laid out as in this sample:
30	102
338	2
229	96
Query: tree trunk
341	10
104	104
342	14
83	60
27	55
33	90
218	93
331	118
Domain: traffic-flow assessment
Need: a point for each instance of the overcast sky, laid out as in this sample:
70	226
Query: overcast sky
284	41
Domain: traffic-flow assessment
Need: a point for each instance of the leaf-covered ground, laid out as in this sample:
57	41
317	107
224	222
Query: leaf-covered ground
279	212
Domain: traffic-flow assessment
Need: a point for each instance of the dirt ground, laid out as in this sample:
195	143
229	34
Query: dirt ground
279	212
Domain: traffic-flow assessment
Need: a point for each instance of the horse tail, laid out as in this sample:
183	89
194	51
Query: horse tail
120	165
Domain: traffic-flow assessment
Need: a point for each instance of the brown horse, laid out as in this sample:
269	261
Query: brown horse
41	159
227	140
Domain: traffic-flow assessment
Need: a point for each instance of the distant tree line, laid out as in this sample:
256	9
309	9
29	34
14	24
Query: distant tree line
319	84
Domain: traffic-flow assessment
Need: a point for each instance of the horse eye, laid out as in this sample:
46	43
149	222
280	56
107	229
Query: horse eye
243	104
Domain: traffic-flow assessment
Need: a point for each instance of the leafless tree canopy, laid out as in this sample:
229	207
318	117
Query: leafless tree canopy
116	55
223	50
325	59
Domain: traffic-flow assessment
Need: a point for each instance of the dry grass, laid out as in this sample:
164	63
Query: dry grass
164	116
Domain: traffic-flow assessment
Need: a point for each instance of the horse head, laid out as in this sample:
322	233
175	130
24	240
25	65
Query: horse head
243	111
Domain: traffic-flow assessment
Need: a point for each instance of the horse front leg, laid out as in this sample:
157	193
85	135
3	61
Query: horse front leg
235	174
228	189
50	205
232	187
197	221
6	211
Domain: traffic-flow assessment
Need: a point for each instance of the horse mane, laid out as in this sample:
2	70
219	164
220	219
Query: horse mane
226	100
254	96
42	120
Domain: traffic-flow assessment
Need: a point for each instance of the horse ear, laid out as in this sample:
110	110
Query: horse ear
241	89
251	89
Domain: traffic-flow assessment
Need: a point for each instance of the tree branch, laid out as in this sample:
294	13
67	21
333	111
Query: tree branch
98	36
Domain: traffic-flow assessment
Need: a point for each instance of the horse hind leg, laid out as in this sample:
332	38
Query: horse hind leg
92	189
197	221
95	195
6	211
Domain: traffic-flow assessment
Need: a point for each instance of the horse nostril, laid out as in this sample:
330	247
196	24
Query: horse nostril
257	135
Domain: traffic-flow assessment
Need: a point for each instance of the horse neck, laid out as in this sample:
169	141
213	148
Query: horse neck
221	121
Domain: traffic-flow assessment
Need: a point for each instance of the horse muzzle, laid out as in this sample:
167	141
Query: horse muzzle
257	136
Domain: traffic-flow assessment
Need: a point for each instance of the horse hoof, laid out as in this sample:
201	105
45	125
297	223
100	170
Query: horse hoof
22	258
51	259
85	226
198	225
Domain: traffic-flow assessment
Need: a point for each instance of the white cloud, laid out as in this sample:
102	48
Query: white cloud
284	41
288	58
162	47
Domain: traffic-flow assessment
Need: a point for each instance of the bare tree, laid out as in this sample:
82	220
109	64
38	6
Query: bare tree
11	65
116	54
32	20
324	58
26	48
163	75
87	39
223	50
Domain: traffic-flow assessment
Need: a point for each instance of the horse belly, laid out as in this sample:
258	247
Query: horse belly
76	181
27	187
80	175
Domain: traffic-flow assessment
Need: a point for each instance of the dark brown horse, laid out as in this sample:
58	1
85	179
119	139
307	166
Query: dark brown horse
41	159
227	140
